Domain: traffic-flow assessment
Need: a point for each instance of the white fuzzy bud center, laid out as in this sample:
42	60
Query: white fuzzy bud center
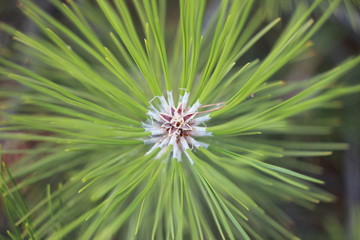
175	126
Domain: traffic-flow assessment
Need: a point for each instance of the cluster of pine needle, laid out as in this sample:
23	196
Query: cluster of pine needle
86	90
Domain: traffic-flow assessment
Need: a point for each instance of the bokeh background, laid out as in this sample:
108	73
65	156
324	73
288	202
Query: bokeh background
338	40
